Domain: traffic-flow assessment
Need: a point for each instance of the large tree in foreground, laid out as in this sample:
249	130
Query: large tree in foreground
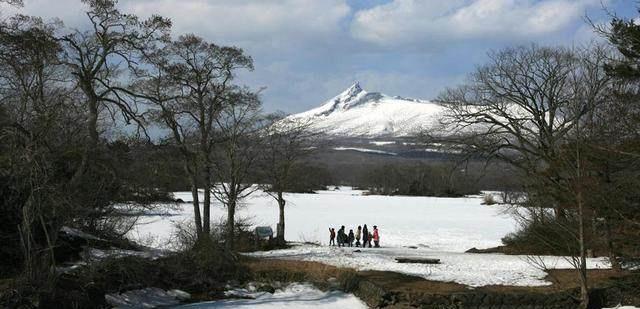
527	108
189	87
98	59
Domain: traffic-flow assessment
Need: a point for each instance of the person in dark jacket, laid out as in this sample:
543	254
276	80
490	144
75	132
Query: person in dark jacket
342	237
365	236
332	236
350	238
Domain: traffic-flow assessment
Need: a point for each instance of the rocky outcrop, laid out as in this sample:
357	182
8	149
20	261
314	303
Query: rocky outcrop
147	298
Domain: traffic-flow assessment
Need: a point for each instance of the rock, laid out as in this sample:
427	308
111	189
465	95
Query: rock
267	288
357	250
251	287
142	298
334	283
499	249
179	294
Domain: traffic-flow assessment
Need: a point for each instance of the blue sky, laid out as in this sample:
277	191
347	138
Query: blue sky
307	51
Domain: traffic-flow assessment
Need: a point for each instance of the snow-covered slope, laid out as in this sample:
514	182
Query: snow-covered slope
358	113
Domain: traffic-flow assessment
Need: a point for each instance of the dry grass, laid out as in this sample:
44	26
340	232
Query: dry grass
318	273
404	283
563	280
295	270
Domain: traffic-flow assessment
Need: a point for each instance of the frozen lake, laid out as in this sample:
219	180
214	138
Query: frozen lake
442	224
440	228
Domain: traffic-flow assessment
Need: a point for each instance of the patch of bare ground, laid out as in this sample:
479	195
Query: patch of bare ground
394	290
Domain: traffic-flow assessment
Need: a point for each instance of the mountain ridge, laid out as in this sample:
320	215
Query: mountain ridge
358	113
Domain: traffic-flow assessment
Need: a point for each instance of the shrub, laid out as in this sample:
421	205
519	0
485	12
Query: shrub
547	236
488	199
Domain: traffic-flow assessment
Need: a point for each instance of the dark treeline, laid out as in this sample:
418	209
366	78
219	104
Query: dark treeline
442	175
421	180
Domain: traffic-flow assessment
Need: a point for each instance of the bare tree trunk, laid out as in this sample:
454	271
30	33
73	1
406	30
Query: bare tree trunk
92	130
584	289
231	213
92	124
280	229
26	240
206	222
196	205
582	269
615	264
49	244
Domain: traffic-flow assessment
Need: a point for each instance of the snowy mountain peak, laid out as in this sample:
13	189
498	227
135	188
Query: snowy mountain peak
353	90
356	112
352	97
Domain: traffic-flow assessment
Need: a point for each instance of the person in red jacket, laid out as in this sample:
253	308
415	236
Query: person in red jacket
376	236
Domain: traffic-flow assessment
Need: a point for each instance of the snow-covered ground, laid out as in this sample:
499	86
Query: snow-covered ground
438	227
293	296
382	143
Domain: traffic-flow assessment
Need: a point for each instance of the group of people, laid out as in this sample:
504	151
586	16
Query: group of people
363	233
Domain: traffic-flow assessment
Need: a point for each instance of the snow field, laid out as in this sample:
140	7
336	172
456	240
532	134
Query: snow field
438	227
442	224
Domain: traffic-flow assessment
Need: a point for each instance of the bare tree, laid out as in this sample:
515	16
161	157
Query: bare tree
38	127
517	109
526	108
236	155
97	58
165	100
286	143
188	89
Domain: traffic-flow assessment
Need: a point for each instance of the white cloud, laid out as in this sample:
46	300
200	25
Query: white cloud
414	21
250	23
267	23
69	11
